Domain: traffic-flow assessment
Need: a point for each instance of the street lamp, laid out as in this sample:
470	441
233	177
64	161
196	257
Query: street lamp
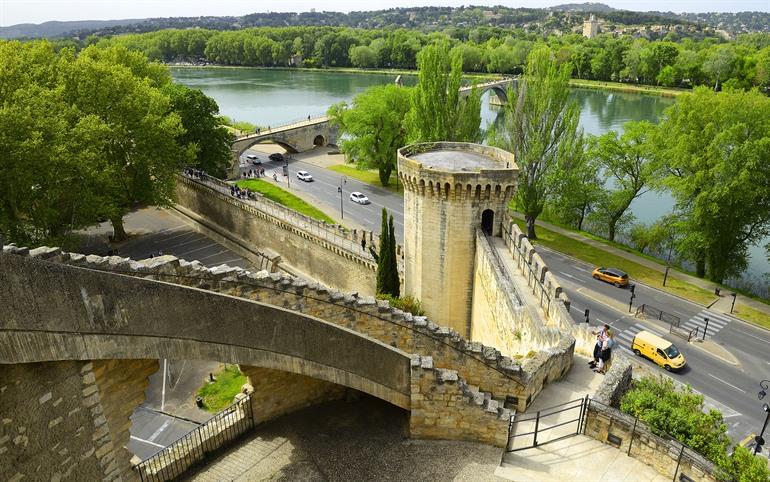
343	180
759	440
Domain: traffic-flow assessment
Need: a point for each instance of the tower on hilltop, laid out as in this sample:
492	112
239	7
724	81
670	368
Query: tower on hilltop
450	190
590	27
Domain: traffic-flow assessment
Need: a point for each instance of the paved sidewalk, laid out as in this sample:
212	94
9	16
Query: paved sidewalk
721	305
576	458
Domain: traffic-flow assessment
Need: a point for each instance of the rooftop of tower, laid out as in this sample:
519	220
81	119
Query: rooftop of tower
458	157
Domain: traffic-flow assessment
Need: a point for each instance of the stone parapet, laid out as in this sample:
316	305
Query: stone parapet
616	382
509	380
445	406
667	456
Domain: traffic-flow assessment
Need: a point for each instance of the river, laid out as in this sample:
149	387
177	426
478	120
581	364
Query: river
272	97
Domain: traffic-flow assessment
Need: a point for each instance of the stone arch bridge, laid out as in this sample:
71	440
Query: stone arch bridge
79	335
498	87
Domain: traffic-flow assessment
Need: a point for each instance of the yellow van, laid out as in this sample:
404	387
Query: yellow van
662	352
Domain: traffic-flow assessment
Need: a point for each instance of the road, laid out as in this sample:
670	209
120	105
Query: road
324	188
730	388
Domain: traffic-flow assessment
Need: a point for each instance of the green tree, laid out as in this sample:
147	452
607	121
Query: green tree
541	129
627	160
438	110
138	133
716	149
362	56
204	130
387	265
579	187
667	76
375	126
719	64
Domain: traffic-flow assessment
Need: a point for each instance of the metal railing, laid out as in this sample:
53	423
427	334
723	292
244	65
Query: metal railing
652	312
578	405
314	119
533	280
319	229
195	446
641	433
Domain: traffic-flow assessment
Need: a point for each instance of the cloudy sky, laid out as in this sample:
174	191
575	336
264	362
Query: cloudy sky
38	11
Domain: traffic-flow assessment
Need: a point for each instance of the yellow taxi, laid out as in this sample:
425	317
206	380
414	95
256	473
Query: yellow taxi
611	275
659	350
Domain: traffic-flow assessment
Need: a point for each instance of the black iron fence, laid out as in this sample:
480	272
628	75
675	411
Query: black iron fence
652	312
194	447
543	421
688	461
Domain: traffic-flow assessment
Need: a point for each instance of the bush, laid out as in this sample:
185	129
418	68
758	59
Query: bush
679	413
406	303
219	394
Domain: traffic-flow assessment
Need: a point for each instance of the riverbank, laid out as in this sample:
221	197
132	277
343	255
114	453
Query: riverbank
479	77
621	87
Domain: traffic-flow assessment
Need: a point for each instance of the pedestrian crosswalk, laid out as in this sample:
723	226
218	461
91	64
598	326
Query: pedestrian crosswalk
715	323
626	337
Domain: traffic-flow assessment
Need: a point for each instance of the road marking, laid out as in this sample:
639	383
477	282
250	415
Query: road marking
569	275
163	390
157	433
148	442
582	269
728	384
752	336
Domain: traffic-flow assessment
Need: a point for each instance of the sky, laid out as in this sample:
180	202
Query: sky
38	11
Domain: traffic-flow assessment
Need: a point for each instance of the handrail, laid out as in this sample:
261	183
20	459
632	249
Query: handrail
317	119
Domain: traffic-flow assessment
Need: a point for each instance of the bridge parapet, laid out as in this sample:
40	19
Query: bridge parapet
512	382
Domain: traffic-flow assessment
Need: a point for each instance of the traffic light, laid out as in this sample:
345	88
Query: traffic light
586	314
632	287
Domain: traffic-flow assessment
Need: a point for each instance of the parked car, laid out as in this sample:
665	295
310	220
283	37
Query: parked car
611	275
359	198
253	158
304	176
276	156
659	350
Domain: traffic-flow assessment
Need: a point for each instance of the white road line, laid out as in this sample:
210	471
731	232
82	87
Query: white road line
582	269
186	253
148	442
750	335
728	384
160	430
568	275
163	390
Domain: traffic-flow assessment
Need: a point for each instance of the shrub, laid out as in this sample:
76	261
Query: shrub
406	303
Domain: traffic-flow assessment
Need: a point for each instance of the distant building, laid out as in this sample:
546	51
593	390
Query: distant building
590	27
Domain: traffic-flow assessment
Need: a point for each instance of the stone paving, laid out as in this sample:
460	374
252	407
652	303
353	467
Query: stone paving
350	441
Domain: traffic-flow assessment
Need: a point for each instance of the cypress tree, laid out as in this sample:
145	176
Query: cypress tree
395	283
383	278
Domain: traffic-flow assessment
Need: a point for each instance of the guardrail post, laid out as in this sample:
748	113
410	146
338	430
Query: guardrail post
537	424
678	461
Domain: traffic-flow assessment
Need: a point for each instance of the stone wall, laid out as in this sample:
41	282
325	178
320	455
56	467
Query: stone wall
277	392
546	287
307	248
121	385
621	430
444	406
616	382
53	426
499	317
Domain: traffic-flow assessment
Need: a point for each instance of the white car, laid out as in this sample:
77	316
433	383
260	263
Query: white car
359	198
304	176
253	158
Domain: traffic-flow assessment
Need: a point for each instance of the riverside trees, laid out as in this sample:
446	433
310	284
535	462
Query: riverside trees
84	138
541	129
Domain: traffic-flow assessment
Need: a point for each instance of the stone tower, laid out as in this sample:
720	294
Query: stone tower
450	190
590	27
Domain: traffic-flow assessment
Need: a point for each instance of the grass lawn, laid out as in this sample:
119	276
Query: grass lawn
219	395
369	176
599	257
751	315
281	196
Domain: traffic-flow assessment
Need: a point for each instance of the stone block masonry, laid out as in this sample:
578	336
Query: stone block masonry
53	425
278	392
314	252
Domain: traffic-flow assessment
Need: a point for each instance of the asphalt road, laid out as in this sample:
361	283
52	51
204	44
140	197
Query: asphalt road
151	431
324	188
730	388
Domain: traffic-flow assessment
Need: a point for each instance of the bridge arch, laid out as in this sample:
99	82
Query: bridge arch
54	312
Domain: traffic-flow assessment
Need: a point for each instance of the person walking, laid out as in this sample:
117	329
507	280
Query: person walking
601	335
